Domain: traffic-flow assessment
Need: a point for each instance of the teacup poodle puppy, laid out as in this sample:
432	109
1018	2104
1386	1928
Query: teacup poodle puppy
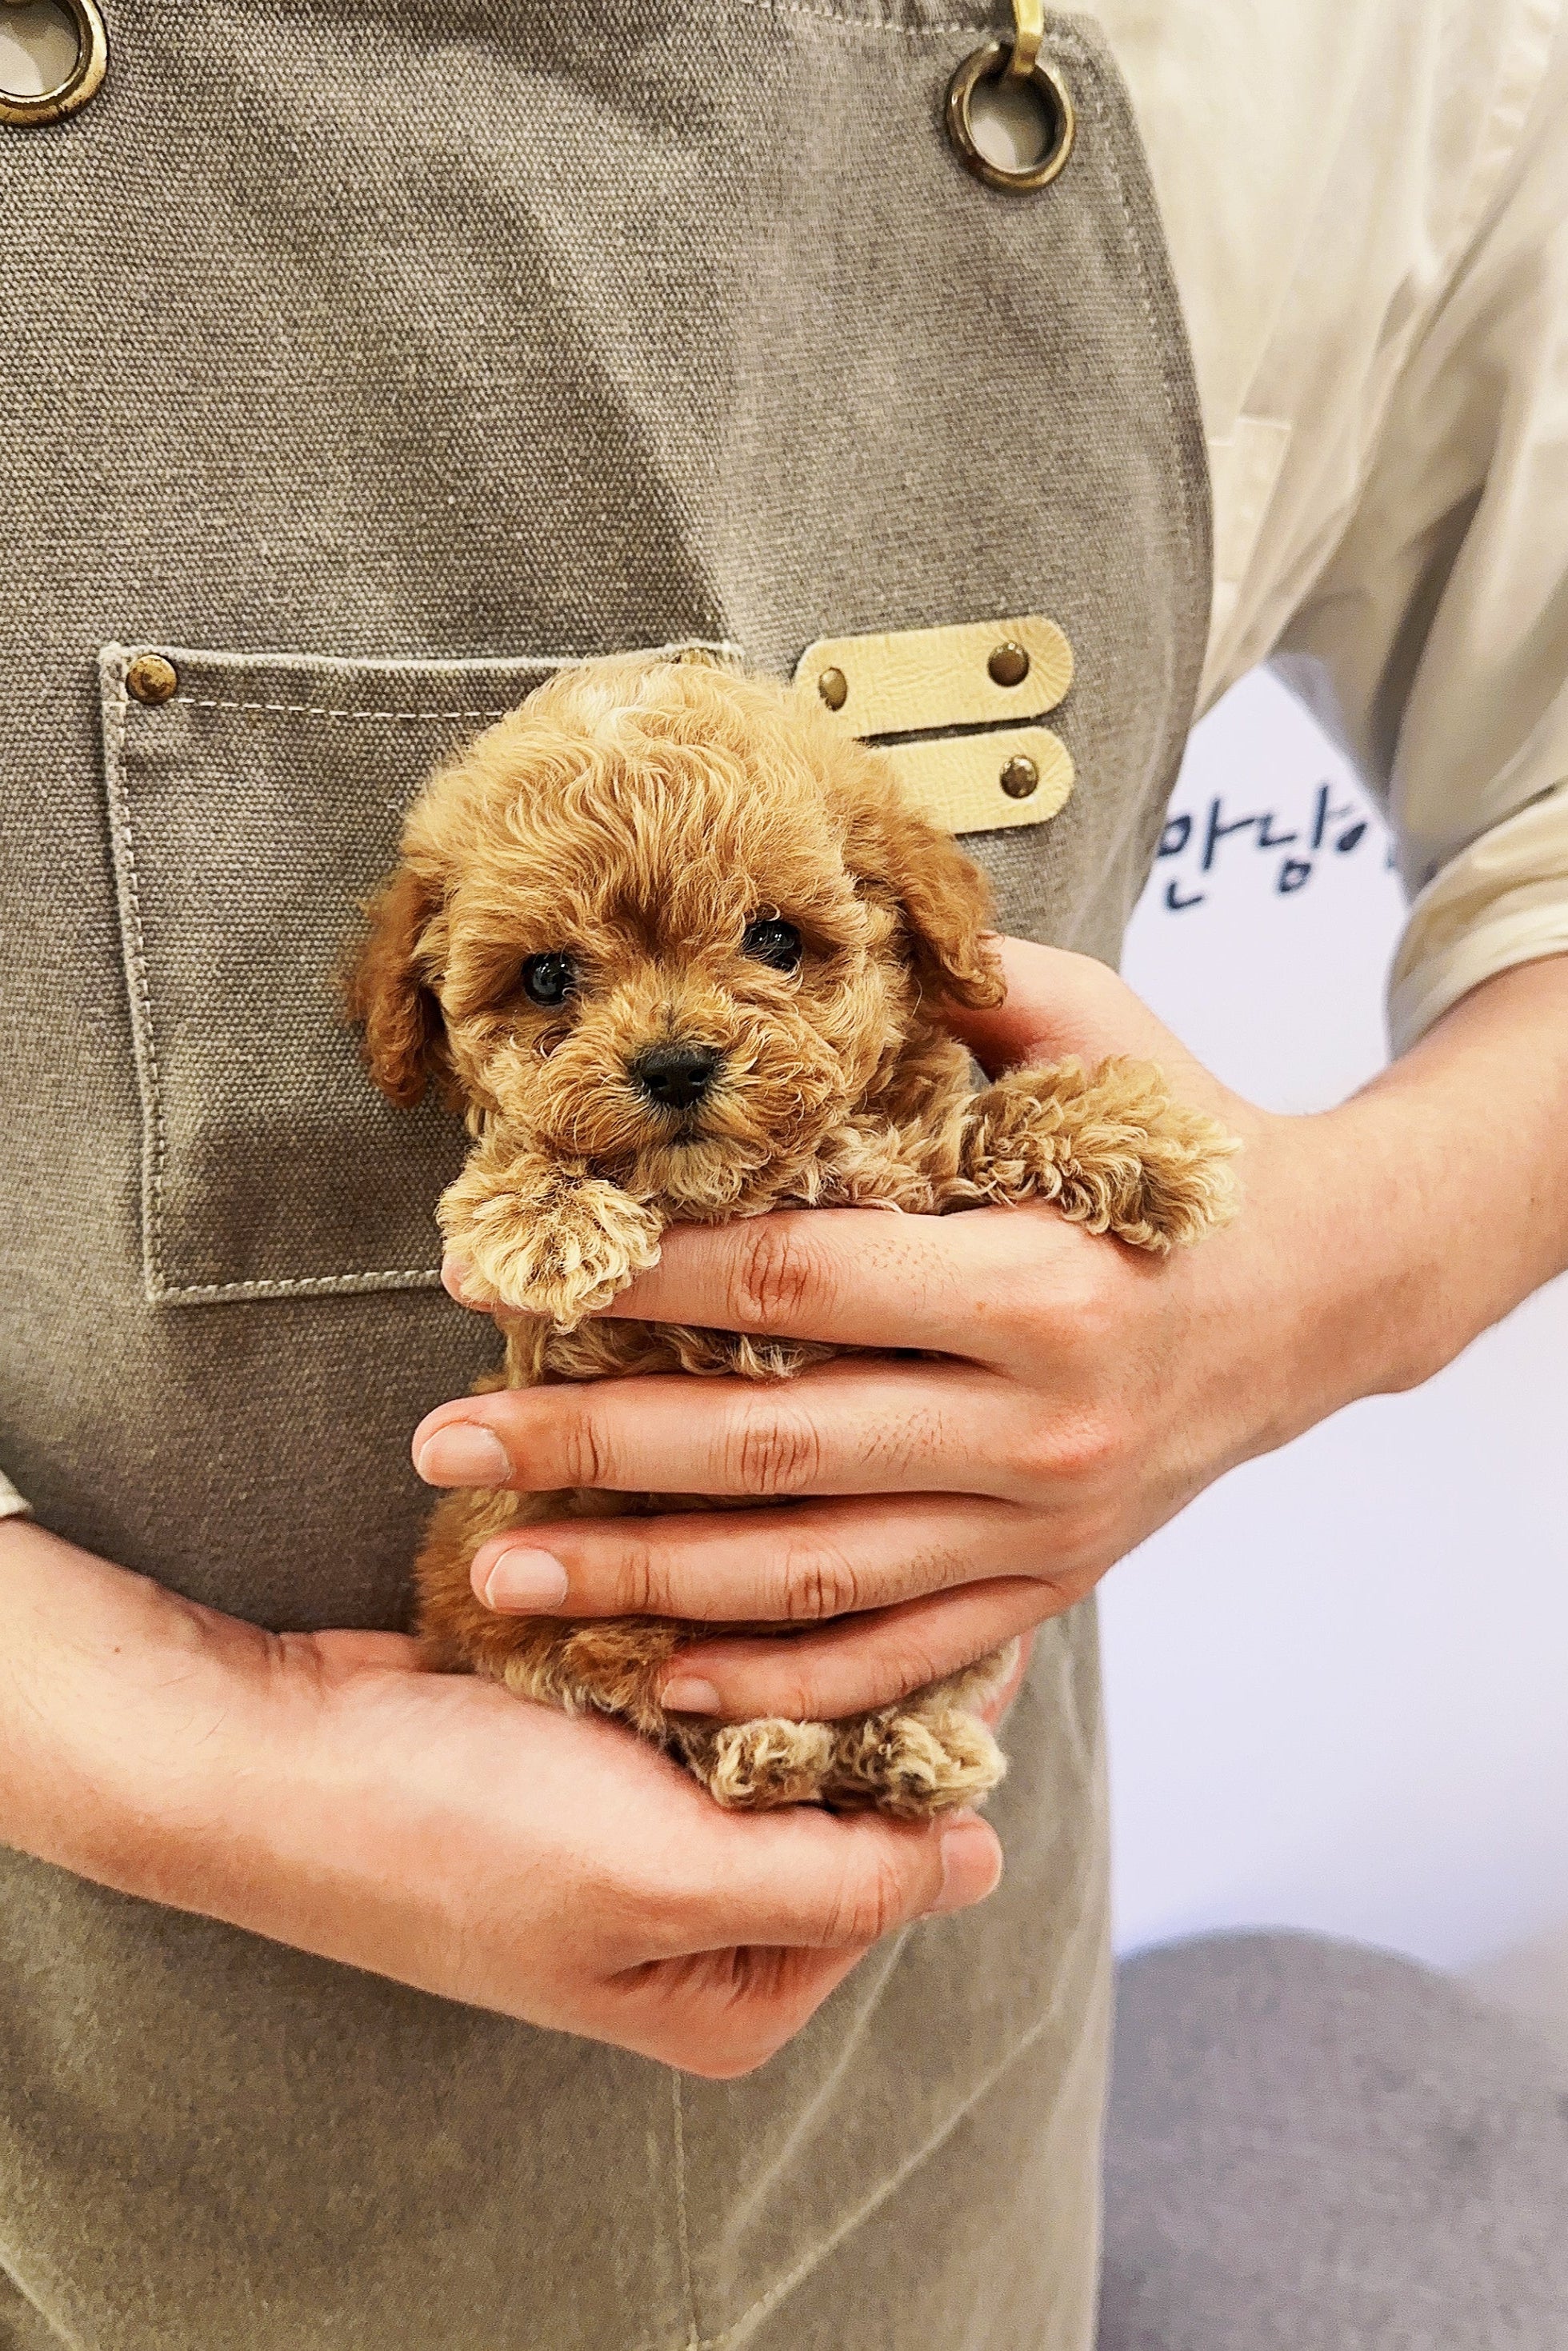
679	950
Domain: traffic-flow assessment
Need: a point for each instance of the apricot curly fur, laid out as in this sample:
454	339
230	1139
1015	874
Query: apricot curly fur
637	815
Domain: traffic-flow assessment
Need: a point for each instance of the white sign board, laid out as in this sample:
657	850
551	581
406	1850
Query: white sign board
1338	1683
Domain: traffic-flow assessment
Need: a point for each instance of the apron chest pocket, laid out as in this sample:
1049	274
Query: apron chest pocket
253	800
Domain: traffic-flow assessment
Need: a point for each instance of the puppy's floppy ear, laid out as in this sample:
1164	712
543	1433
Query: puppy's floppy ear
385	990
941	899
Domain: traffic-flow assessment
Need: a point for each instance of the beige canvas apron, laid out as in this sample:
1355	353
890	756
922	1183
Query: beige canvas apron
424	339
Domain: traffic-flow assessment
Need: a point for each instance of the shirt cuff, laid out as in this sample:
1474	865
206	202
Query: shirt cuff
1503	901
12	1504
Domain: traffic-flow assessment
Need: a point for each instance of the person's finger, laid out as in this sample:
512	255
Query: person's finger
859	1426
796	1564
453	1268
862	1662
818	1893
719	2015
342	1655
810	1879
994	1708
834	1274
853	1278
454	1273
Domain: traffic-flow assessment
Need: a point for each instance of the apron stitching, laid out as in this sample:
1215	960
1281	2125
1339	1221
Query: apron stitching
682	2232
318	710
830	2243
1068	41
1194	528
458	671
141	988
74	2341
860	23
266	1285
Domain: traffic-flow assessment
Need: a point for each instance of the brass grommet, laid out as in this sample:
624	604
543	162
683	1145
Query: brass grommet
1019	778
835	688
150	678
990	64
1009	665
83	79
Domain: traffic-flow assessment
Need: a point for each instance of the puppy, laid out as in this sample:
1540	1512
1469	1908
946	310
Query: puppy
678	949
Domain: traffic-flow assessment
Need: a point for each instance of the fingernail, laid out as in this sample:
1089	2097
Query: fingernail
453	1269
689	1694
464	1454
526	1579
971	1864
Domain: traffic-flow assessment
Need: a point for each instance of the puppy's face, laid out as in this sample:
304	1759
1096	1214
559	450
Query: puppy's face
665	926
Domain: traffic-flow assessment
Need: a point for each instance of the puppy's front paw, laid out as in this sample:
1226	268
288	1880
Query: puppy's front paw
1111	1150
560	1258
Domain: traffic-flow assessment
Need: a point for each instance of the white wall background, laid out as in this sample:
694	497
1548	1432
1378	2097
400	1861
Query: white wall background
1338	1684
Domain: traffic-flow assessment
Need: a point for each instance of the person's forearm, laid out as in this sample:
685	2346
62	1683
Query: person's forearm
325	1791
110	1689
1455	1178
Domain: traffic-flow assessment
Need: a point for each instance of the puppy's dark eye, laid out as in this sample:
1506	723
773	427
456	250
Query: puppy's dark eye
768	940
549	978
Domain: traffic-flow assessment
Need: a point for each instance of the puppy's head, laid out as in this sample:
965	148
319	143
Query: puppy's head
664	924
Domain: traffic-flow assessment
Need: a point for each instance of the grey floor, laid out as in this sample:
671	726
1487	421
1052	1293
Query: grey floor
1317	2148
1532	1978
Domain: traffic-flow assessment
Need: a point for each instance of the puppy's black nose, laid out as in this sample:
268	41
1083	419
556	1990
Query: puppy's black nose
676	1076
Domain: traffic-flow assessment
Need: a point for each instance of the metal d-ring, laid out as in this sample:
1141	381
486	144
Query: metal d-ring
1018	59
1029	32
79	84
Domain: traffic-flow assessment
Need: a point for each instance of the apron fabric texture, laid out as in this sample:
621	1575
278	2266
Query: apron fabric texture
426	343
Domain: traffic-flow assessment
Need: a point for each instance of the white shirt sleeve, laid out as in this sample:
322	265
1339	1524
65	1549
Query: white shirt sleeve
1435	644
12	1504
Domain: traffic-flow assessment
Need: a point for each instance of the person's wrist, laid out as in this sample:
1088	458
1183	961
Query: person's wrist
1304	1297
1379	1318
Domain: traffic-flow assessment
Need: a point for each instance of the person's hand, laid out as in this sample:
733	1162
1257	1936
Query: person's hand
915	1513
323	1791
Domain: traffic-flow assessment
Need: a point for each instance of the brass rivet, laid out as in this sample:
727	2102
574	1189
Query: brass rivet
150	678
1009	665
835	688
1019	778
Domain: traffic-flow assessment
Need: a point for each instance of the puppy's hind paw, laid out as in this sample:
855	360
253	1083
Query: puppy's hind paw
913	1763
756	1767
